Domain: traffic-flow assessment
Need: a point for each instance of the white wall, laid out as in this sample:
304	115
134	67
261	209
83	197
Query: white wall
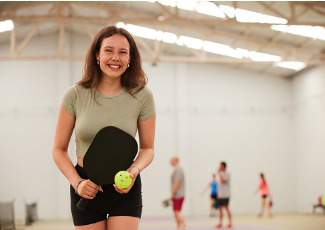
242	118
309	94
236	116
205	113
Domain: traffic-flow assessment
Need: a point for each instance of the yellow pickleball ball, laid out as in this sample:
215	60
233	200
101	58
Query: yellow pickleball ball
123	179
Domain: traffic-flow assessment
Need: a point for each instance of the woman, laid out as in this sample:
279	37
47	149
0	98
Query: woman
265	192
112	92
213	185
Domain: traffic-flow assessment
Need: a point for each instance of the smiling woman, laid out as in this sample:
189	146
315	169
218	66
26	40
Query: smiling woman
116	47
112	92
114	55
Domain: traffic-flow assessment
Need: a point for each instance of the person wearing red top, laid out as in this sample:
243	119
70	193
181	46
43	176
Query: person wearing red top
265	193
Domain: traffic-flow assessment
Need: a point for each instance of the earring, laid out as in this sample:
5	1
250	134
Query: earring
128	65
97	62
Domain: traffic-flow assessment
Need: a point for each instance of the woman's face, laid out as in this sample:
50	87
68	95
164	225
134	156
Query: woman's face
114	55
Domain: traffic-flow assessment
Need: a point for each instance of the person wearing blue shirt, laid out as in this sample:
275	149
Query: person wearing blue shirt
213	185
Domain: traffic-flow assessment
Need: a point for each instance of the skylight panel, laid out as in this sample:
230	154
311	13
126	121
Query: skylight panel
264	18
257	56
208	46
316	32
221	49
187	4
250	16
246	16
171	3
243	52
120	25
190	42
210	9
6	25
220	11
291	65
141	31
148	33
228	10
159	35
166	37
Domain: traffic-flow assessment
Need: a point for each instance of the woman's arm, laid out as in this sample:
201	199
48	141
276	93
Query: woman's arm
64	129
146	131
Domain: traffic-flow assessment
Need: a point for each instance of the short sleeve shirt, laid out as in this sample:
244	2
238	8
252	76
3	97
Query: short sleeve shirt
178	174
224	188
121	110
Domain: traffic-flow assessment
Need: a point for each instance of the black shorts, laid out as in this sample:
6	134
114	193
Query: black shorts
223	202
214	196
107	203
264	196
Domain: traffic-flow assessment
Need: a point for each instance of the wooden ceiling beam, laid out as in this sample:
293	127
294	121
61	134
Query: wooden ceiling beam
165	9
83	26
22	5
165	58
13	42
273	10
320	12
182	23
28	38
293	11
143	44
61	41
144	18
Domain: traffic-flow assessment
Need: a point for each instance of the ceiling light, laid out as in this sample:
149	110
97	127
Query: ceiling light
6	25
316	32
221	49
190	42
210	8
291	65
199	44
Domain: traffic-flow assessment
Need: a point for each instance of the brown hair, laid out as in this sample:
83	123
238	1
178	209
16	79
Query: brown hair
263	178
132	78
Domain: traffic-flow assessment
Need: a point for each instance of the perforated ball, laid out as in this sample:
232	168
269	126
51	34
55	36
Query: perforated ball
123	179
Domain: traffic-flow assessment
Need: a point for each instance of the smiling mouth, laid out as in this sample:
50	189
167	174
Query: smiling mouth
114	67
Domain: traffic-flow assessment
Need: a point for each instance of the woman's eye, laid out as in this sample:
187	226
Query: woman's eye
108	50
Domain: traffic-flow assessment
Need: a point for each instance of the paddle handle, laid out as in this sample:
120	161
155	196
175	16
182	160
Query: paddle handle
82	204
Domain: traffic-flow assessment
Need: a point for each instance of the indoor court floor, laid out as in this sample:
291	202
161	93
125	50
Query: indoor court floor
241	222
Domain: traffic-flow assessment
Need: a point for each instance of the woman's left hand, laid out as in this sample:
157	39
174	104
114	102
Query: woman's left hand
134	171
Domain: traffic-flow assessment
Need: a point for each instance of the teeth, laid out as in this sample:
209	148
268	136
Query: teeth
114	66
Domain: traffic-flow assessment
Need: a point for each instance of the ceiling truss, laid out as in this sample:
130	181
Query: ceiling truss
63	14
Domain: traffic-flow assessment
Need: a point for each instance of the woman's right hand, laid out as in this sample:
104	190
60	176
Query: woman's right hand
88	189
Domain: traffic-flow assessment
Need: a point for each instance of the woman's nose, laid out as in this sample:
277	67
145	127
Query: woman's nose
115	56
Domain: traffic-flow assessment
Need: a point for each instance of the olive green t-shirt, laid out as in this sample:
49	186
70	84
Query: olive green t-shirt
121	110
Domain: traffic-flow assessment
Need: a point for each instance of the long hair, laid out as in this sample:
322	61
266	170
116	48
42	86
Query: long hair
133	79
263	178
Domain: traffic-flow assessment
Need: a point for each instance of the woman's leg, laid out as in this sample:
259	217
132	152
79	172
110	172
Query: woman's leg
211	206
96	226
123	223
262	207
270	208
